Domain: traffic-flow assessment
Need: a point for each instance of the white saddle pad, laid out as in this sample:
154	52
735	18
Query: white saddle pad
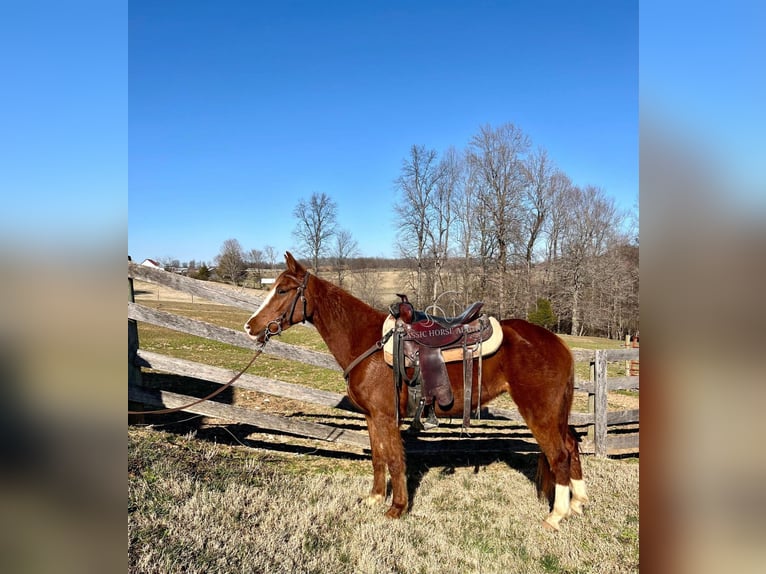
488	347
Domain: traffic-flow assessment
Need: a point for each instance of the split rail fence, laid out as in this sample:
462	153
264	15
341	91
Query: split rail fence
604	432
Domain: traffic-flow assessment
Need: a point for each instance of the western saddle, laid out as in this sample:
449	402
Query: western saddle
419	339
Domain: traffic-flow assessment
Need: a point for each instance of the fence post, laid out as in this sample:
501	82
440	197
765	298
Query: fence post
134	371
627	363
592	402
601	409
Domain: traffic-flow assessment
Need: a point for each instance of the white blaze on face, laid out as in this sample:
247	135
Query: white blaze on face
266	301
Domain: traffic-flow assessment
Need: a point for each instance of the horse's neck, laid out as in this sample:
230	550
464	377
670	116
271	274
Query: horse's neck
347	325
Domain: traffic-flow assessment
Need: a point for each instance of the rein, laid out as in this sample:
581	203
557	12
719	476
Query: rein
372	350
211	395
267	334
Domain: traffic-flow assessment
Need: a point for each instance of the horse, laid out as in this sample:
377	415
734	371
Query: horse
532	364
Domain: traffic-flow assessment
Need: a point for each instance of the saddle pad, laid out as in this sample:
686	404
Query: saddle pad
489	346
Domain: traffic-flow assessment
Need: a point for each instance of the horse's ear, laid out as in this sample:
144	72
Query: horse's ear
292	264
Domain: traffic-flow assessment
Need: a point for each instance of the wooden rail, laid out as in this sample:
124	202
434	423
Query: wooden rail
596	422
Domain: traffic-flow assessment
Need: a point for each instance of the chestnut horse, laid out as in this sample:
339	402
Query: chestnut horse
533	364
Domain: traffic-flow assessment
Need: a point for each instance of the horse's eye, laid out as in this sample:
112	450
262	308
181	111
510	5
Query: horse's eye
281	291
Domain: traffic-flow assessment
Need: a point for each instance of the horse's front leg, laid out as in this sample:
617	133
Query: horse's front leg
378	492
397	468
388	451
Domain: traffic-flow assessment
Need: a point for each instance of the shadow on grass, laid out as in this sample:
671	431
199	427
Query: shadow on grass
445	456
442	450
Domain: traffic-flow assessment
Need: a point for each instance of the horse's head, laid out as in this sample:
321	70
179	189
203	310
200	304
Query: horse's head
284	306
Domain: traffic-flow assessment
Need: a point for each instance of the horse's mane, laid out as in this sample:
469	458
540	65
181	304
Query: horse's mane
341	307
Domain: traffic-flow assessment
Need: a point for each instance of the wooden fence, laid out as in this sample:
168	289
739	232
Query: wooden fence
606	432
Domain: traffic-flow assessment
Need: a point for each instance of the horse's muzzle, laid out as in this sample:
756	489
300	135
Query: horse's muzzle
272	329
259	336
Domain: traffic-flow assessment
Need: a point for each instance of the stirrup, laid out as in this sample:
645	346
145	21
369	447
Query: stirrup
431	421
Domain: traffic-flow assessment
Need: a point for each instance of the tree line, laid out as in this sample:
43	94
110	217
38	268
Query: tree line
497	221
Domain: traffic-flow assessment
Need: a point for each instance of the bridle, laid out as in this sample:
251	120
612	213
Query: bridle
300	295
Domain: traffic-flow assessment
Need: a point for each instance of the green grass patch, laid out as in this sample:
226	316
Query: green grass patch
189	347
201	350
592	343
220	315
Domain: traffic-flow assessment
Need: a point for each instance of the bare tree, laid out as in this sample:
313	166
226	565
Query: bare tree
344	247
230	262
562	200
270	255
537	199
502	224
464	207
254	258
417	184
537	202
365	284
316	224
590	232
167	263
496	157
442	220
484	245
610	302
254	262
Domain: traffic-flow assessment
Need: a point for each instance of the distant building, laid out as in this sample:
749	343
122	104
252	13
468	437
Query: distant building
151	263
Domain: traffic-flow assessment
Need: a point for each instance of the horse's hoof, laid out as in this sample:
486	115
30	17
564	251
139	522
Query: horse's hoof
552	526
373	499
394	512
576	506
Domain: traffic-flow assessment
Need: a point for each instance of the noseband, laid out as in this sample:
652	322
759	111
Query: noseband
277	323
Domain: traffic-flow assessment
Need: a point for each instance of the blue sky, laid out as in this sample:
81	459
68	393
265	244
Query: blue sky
239	109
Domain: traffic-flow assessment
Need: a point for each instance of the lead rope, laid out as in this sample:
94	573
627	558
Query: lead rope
211	395
268	333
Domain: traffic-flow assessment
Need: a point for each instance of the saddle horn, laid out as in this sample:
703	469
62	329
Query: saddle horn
402	310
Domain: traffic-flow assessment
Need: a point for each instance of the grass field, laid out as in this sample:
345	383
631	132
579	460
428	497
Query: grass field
197	505
211	496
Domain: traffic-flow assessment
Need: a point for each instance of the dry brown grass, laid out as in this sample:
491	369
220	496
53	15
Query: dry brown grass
201	506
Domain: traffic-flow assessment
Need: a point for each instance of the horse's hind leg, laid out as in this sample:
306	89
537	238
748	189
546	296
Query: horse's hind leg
558	461
553	470
560	471
576	482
